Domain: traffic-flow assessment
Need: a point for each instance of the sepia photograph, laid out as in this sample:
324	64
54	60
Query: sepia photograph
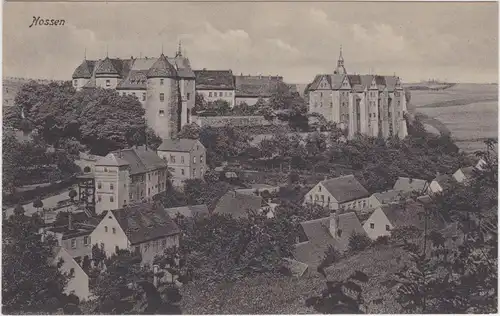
238	157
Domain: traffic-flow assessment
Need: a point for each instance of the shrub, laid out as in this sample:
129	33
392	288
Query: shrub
381	240
358	242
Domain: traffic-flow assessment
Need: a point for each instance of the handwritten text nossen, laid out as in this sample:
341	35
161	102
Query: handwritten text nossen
38	21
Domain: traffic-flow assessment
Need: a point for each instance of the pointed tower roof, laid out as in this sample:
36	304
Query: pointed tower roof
340	64
83	71
179	50
162	68
106	67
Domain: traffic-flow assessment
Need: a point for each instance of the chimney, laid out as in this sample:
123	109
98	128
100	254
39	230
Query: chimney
70	221
334	225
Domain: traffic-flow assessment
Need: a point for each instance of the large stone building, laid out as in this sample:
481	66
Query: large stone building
165	86
368	104
249	89
128	176
215	85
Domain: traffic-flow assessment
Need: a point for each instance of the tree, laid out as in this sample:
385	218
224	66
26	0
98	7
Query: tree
358	242
32	281
38	204
189	131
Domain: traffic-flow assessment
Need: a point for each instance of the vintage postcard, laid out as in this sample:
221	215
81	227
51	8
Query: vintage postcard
249	157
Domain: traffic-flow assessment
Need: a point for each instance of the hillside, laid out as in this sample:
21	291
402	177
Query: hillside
11	86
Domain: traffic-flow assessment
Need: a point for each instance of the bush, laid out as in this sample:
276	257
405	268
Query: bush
358	242
381	240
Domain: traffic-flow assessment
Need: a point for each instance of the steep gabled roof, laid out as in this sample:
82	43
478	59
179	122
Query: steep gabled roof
162	68
237	204
106	67
388	196
177	145
256	86
214	79
445	181
345	188
85	70
144	222
410	214
468	171
141	160
182	66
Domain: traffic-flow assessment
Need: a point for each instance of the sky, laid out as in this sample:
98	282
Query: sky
453	41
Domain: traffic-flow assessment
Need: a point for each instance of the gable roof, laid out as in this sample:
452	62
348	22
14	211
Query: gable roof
178	145
106	67
256	86
358	82
319	238
144	222
183	66
410	185
468	171
162	68
112	160
388	196
214	79
410	214
237	204
136	80
188	210
141	160
345	188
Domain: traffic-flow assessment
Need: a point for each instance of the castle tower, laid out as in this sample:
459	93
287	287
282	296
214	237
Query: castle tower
106	74
82	74
163	108
340	64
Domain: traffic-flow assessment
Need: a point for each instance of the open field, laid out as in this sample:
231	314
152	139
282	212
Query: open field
469	111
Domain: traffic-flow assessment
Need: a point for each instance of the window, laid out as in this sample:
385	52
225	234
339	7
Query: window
201	171
149	191
387	227
105	169
319	188
182	171
73	243
149	176
220	94
86	240
210	94
188	95
146	246
164	242
133	93
144	96
316	197
322	197
161	82
98	198
161	113
111	186
328	200
194	172
194	159
162	97
172	159
99	185
75	83
114	230
372	225
105	229
108	83
201	159
124	94
182	159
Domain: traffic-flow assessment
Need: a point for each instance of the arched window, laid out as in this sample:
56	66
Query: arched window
86	169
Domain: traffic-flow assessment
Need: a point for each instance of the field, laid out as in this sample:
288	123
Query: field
469	111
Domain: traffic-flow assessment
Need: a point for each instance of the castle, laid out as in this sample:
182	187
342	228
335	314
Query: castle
368	104
165	86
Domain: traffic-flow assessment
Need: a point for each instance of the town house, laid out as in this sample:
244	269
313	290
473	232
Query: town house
144	228
186	159
215	85
344	192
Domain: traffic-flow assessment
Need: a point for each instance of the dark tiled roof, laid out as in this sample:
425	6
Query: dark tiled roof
162	68
410	214
468	171
319	238
410	185
177	145
214	79
345	188
358	82
256	86
144	222
112	160
188	211
85	70
106	67
141	160
136	80
317	80
182	66
237	204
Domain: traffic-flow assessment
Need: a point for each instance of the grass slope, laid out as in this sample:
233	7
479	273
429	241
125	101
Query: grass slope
286	295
